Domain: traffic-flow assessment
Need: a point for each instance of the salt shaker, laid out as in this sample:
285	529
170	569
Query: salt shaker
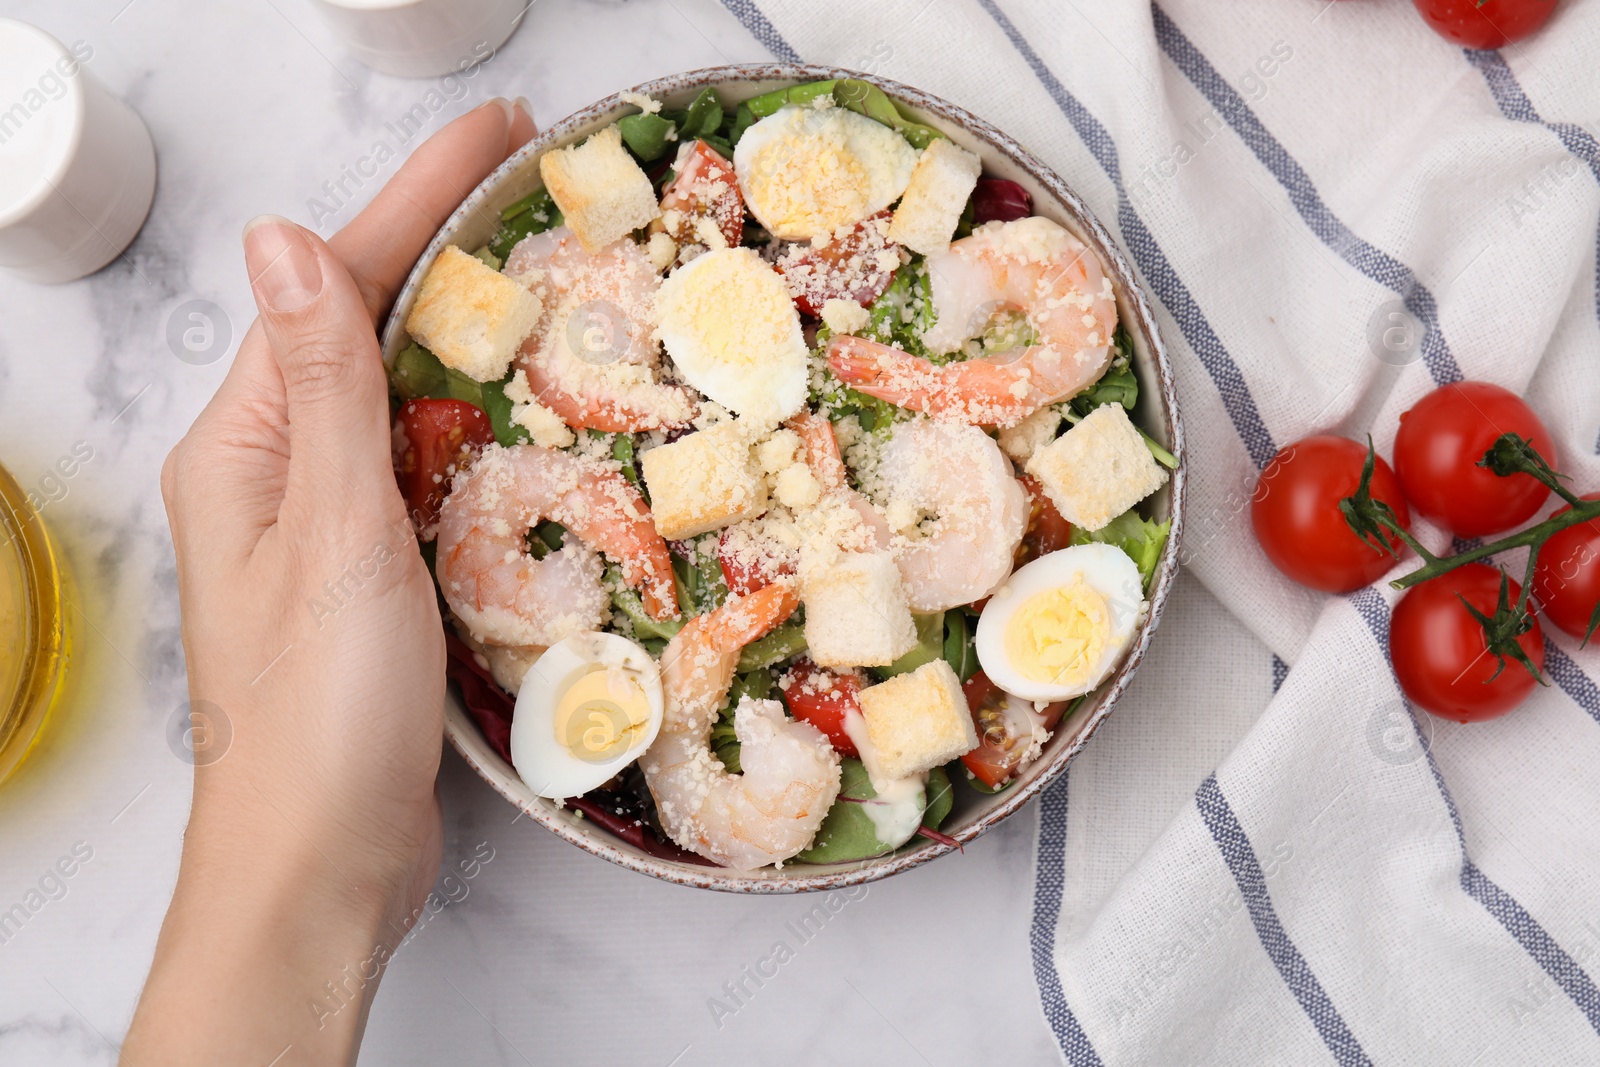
77	166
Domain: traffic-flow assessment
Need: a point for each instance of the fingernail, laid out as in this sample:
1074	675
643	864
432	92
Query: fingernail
525	107
505	106
283	266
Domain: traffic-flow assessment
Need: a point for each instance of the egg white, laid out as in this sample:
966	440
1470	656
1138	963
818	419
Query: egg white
732	330
1106	569
805	171
542	761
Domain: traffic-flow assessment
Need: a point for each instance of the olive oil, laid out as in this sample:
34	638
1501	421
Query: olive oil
33	638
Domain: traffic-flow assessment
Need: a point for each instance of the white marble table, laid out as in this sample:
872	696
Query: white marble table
553	956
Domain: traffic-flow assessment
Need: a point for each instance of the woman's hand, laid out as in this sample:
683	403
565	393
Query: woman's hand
314	647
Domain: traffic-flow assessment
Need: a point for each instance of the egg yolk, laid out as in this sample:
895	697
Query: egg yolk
809	182
601	714
1058	636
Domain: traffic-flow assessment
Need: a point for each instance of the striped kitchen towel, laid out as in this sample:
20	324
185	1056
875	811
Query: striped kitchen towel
1267	856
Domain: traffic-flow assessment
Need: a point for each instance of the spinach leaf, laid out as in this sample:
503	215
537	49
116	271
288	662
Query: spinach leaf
646	135
867	99
631	606
417	373
959	650
497	406
534	213
771	103
941	798
786	642
929	646
847	833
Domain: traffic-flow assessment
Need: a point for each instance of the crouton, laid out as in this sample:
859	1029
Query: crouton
599	188
931	206
856	611
1098	469
703	482
918	721
471	316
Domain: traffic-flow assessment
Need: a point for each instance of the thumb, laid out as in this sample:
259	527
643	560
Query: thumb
322	338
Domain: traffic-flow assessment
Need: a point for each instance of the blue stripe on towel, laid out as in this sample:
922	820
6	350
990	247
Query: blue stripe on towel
1373	262
1522	926
1557	664
1280	671
1158	271
1514	104
1570	677
1075	1044
1246	870
762	29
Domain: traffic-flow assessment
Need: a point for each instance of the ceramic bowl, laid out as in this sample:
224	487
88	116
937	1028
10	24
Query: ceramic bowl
1157	413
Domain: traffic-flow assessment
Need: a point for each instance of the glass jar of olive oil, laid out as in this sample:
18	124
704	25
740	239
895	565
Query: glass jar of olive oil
33	637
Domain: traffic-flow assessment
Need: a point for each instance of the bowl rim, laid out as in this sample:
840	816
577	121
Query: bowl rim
465	737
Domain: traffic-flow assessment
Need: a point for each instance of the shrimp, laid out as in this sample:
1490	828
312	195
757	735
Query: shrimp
822	456
1032	265
506	597
961	512
770	812
592	358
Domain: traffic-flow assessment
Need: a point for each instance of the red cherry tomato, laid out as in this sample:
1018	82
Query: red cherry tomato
1485	23
440	437
1439	651
1005	729
1437	450
822	697
846	268
1295	512
704	187
999	200
745	575
1566	578
1048	530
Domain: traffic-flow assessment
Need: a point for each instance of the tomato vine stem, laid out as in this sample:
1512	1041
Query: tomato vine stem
1374	522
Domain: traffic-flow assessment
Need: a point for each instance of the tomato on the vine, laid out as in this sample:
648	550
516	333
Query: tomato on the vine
822	698
1436	454
1441	656
439	437
1296	516
1566	577
1485	23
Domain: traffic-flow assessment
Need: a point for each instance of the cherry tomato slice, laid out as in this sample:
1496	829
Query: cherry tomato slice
1005	729
1439	651
1566	577
1437	450
1295	513
1048	530
1485	23
746	575
703	188
436	438
822	698
851	267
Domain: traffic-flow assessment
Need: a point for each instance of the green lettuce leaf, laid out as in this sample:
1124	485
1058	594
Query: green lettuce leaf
1140	538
